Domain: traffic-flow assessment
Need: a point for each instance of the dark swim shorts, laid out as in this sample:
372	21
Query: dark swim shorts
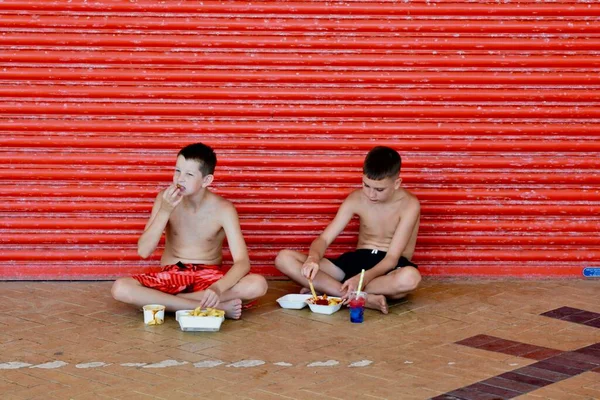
353	262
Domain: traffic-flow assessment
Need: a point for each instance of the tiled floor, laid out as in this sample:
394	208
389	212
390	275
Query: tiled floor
450	340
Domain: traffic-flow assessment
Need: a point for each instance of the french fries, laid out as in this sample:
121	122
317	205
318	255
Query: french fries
325	301
156	321
206	312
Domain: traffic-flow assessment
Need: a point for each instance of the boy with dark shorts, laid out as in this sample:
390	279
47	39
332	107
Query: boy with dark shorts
389	222
195	222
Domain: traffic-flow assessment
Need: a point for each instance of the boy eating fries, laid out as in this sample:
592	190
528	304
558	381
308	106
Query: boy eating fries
195	222
389	221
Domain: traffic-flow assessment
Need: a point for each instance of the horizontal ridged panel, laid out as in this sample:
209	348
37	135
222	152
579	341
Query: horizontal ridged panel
494	108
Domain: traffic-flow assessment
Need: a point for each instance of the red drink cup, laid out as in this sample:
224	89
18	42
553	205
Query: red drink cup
357	306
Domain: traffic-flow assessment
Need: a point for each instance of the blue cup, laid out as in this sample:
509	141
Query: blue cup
357	307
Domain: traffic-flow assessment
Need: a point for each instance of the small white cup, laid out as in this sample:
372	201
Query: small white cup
154	314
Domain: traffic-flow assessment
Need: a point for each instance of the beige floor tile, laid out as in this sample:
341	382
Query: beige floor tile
412	351
262	395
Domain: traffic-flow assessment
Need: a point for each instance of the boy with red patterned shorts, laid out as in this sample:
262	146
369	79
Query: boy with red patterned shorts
195	222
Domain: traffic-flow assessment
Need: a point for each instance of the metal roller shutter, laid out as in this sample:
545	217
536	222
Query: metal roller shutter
494	107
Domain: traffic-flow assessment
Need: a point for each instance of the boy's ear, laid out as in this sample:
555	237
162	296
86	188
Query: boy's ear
397	183
207	180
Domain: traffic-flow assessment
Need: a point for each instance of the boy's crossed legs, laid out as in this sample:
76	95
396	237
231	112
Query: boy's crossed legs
250	287
394	285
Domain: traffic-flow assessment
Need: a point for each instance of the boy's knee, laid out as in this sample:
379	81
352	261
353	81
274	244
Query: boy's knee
408	281
120	289
257	284
413	279
283	259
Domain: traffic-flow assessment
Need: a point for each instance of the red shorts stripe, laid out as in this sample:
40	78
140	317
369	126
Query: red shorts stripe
173	280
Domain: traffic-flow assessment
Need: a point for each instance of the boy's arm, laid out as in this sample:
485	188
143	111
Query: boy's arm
400	239
321	243
164	204
239	252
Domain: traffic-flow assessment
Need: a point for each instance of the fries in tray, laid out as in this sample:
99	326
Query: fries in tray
324	301
206	312
200	319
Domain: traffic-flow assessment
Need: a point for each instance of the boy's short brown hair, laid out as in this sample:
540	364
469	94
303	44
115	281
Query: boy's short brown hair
382	162
202	153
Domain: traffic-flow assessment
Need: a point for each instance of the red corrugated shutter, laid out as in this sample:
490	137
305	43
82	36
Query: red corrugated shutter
494	107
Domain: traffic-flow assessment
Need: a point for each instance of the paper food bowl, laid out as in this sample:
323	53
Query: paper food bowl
188	323
293	301
325	309
154	314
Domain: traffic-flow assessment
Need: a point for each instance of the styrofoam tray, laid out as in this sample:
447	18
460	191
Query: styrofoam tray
188	323
325	309
293	301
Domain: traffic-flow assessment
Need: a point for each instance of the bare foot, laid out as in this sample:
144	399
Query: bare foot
377	302
306	290
232	308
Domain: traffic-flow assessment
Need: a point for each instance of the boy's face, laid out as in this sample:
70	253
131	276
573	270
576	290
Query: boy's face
188	176
379	191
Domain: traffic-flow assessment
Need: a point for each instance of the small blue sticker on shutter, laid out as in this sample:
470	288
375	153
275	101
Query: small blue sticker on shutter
591	272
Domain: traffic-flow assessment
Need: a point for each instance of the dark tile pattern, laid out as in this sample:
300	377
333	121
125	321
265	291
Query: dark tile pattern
515	386
553	365
523	350
595	323
478	340
541	354
499	345
575	315
470	393
500	392
558	368
530	380
511	384
541	373
561	312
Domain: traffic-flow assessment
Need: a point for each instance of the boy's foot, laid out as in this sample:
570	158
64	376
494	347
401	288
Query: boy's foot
377	302
306	290
232	308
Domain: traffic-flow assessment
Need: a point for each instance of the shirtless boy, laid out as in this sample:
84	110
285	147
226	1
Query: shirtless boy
389	221
195	222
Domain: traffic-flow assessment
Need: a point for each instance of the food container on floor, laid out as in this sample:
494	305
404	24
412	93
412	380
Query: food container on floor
293	301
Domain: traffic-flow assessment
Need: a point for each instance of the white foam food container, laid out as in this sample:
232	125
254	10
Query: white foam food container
325	309
189	323
293	301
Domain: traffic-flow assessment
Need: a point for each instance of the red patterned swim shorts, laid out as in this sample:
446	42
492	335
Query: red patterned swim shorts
181	278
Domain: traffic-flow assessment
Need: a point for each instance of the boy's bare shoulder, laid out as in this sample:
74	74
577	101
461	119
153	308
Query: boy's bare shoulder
409	195
409	200
221	204
353	201
355	196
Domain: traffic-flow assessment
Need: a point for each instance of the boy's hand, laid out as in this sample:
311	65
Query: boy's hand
351	285
310	268
171	198
210	298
